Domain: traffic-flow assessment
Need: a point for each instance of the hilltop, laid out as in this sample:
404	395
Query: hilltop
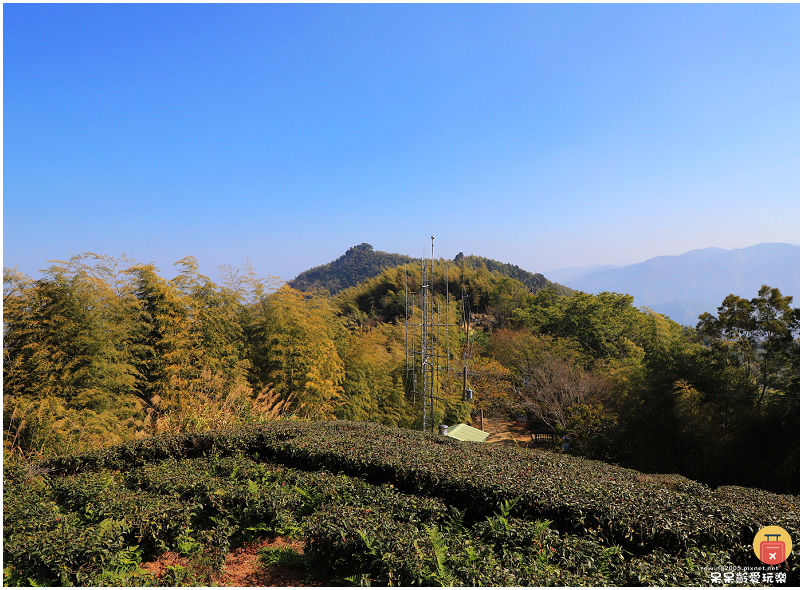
353	267
361	263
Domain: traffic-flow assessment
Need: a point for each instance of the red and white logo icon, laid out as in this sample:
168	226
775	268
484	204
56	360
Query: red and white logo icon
772	545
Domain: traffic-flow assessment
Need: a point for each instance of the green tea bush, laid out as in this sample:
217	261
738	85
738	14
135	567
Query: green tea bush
375	505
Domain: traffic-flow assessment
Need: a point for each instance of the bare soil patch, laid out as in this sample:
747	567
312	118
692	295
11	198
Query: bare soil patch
505	432
164	561
243	568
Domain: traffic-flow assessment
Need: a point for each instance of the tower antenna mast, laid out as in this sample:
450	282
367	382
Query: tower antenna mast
427	341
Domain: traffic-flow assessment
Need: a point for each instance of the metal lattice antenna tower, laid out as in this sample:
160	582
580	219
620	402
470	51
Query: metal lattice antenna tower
427	340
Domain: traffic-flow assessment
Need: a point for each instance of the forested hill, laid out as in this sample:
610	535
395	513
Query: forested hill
353	267
362	262
534	281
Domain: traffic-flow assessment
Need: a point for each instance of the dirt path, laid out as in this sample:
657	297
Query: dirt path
505	432
242	567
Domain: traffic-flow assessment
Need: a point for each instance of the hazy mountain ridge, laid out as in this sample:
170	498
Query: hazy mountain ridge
686	285
562	275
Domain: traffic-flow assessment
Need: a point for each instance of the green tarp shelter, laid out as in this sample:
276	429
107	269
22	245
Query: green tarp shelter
464	432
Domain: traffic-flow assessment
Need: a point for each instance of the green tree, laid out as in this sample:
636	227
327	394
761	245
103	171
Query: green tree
294	349
168	352
757	335
70	378
70	333
603	324
218	324
373	389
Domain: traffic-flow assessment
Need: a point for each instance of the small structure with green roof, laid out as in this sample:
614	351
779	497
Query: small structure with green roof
464	432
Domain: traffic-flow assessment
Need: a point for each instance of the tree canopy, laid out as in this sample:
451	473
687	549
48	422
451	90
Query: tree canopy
101	350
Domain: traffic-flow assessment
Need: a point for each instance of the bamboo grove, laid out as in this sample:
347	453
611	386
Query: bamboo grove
102	350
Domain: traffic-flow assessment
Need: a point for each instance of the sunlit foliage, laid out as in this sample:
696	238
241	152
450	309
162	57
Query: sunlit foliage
102	350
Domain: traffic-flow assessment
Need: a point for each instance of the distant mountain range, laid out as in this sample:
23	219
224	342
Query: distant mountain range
685	286
576	272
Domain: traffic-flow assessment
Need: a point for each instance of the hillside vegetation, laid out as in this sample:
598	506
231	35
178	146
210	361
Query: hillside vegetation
101	351
361	263
356	265
373	505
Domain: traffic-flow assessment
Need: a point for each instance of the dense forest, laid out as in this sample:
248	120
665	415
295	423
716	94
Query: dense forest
102	350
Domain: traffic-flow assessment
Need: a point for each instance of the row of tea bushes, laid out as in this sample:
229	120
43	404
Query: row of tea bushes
641	513
93	527
646	515
499	551
85	528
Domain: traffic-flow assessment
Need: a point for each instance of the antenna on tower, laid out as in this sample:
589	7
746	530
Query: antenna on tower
428	341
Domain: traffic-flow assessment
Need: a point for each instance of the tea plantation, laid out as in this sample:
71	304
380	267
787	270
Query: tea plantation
374	505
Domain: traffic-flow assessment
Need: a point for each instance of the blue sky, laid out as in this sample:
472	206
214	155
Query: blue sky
546	136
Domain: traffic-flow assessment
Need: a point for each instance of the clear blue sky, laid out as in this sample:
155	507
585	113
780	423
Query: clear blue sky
546	136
